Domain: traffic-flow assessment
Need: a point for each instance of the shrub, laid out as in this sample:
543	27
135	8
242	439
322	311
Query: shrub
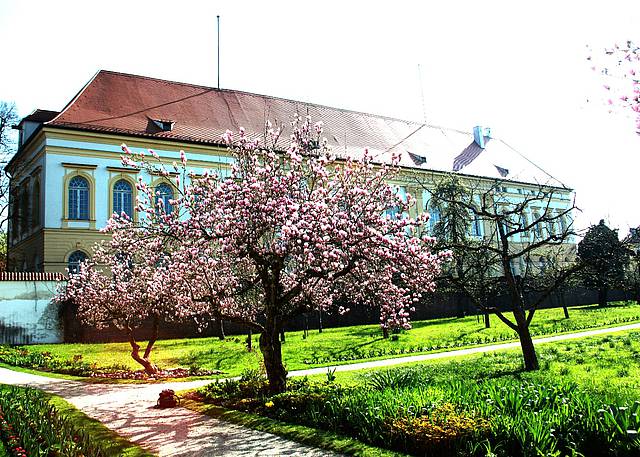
445	430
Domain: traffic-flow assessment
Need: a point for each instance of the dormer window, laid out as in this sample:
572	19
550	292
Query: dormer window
163	124
417	159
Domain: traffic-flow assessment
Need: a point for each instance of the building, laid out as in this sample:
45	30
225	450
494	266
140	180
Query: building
67	178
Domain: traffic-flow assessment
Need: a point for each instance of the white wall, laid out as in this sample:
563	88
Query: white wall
27	315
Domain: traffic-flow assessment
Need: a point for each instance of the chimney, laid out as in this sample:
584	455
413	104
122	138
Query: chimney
480	134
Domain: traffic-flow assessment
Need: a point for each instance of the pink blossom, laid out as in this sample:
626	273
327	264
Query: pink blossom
284	234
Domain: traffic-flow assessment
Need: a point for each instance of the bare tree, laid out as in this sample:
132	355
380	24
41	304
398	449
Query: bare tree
8	118
519	228
472	273
558	273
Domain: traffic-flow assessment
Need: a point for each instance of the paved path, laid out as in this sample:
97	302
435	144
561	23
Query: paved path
128	408
460	352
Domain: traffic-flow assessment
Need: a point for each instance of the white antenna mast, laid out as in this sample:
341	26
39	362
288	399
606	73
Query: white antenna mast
218	18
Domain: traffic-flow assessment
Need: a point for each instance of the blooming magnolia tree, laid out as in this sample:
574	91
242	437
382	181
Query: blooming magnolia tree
619	67
127	284
290	230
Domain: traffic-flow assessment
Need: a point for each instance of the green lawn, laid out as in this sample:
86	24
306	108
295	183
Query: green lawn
583	401
607	366
344	345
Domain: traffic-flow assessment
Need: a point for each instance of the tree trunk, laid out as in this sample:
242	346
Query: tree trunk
485	314
602	296
221	335
563	302
271	349
283	338
526	342
385	333
319	321
249	341
149	367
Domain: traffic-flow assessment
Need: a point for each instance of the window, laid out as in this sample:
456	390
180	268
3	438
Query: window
164	192
537	231
123	198
79	198
24	209
394	211
476	226
542	263
434	219
513	263
75	259
35	205
523	223
563	224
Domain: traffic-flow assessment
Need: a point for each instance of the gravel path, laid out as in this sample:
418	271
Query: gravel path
128	408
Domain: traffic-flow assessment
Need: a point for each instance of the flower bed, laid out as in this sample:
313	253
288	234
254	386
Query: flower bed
162	374
76	366
31	426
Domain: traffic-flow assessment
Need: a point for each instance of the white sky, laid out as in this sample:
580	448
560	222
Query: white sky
518	68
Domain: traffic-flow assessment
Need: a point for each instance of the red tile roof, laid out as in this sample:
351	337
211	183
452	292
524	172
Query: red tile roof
116	102
128	104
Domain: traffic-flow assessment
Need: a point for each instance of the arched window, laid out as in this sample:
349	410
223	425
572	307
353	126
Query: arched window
75	259
78	198
123	198
164	192
35	205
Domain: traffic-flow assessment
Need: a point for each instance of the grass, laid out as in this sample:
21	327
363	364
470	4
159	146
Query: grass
586	390
344	345
607	366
